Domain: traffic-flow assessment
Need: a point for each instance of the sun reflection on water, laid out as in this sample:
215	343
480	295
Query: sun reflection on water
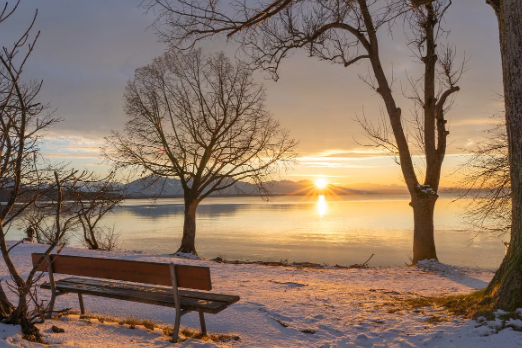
322	207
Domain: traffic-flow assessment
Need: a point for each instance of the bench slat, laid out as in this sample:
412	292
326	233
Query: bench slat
191	277
138	294
228	299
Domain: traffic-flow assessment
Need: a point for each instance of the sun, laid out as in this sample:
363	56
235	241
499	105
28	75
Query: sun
321	183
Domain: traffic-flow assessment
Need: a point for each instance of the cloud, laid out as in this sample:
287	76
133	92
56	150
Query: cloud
359	154
71	146
356	152
491	121
341	159
318	175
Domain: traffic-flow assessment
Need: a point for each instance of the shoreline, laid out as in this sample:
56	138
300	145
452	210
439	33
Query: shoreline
268	263
304	264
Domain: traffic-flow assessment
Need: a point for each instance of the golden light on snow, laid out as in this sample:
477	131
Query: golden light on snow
321	183
322	207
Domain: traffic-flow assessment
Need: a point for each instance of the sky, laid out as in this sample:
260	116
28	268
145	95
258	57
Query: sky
88	50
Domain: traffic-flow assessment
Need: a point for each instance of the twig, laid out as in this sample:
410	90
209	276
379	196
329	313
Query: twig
8	250
363	265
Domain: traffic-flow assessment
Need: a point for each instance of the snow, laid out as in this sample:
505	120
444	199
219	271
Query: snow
426	189
189	256
284	307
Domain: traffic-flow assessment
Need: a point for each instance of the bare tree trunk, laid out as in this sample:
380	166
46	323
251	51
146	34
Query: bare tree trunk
6	308
423	230
89	236
506	285
15	275
19	317
93	243
188	241
20	312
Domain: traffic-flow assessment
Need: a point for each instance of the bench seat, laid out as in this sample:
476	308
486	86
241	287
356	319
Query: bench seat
156	295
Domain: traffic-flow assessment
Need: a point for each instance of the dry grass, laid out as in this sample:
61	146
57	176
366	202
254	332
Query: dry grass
132	322
167	331
474	306
435	319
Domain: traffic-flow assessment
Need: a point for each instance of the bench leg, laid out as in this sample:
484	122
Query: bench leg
51	306
202	323
175	334
82	307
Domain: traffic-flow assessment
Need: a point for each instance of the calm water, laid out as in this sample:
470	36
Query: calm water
335	230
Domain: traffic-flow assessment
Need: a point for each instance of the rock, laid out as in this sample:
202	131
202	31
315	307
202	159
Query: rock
57	329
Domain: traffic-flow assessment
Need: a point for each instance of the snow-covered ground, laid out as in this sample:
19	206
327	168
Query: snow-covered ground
284	307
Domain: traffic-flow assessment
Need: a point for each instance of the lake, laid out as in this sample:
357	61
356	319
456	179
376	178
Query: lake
332	230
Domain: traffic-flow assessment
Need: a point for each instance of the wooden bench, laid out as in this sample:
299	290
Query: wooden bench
171	275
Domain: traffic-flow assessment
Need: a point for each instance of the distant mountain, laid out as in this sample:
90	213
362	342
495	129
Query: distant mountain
171	187
379	189
154	186
163	187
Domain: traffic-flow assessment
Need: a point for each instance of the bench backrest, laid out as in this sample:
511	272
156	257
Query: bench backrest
192	277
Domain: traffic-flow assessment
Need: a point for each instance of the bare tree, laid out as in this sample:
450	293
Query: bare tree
202	120
22	119
506	286
29	308
488	183
94	199
88	200
343	32
40	218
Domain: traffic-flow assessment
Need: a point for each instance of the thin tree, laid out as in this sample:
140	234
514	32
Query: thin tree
94	199
40	218
22	119
487	179
28	309
88	200
343	32
506	286
201	120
